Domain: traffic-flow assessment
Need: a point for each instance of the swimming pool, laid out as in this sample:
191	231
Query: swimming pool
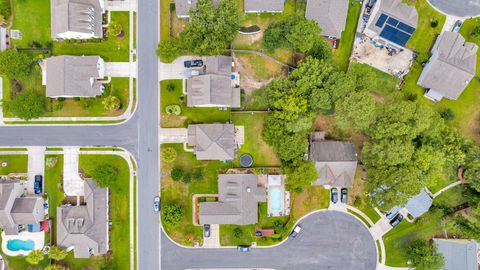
275	200
17	244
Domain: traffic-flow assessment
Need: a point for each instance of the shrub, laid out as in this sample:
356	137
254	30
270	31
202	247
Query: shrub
56	254
278	226
76	98
475	32
14	64
35	257
114	29
357	202
448	114
111	103
434	23
187	178
50	162
197	175
172	214
27	105
423	57
237	233
61	99
168	154
105	175
177	173
170	87
173	109
168	50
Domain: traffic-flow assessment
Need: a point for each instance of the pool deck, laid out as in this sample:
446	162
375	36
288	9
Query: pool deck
38	238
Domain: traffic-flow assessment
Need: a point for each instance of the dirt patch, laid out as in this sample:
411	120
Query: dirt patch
17	87
169	121
474	127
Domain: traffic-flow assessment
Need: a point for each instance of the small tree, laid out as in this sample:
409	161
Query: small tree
105	175
173	109
172	214
14	64
27	105
114	29
168	50
35	257
56	253
55	267
111	103
169	154
50	162
278	226
424	256
448	114
187	178
177	173
301	174
237	233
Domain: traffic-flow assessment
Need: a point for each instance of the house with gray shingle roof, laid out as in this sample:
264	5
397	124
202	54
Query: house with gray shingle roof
336	163
331	15
459	254
419	204
73	76
84	228
17	209
264	6
451	67
76	19
213	141
215	88
238	198
182	7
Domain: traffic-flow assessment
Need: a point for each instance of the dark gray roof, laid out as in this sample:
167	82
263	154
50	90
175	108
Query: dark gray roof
213	141
418	205
84	227
331	15
74	76
212	91
218	64
459	254
336	162
451	67
238	197
395	9
264	5
83	16
182	7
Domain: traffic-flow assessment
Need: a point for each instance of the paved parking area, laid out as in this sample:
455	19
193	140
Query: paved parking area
36	166
459	8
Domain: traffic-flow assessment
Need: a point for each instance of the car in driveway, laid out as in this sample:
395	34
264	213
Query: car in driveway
193	63
344	195
396	220
156	204
334	195
243	248
391	214
295	232
38	184
206	230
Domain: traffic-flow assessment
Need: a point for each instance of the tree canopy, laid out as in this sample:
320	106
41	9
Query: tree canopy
168	50
14	64
27	105
105	175
56	253
35	257
358	111
423	255
301	175
172	214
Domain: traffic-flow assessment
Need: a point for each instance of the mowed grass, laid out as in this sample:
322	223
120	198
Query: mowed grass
258	67
424	36
119	210
15	164
188	115
384	85
263	155
32	18
342	55
54	191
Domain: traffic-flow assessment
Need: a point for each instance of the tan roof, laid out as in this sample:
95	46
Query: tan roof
83	16
213	141
212	90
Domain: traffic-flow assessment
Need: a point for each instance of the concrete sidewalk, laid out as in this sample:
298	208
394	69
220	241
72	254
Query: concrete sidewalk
36	165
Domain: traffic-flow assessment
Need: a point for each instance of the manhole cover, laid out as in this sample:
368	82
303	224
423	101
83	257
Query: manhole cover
246	160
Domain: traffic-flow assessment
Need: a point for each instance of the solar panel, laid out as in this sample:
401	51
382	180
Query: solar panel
406	28
381	20
393	22
395	35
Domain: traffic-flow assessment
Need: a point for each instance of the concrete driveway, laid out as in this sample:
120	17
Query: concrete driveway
120	69
214	240
36	165
175	69
329	240
73	184
173	135
458	8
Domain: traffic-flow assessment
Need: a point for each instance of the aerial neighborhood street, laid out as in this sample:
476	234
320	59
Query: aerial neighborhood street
239	134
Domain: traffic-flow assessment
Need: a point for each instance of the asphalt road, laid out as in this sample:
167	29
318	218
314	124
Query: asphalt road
329	240
459	8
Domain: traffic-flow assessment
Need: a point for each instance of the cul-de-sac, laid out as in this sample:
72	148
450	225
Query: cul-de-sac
239	134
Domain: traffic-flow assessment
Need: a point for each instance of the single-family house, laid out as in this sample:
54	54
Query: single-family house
331	15
182	7
214	141
238	198
76	19
16	209
451	67
214	88
419	204
392	22
459	254
84	228
336	163
74	76
264	6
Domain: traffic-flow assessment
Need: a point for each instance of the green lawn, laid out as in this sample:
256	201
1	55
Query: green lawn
452	197
228	238
180	193
189	115
258	67
263	155
119	211
342	55
368	210
164	19
32	18
15	164
53	189
385	84
424	36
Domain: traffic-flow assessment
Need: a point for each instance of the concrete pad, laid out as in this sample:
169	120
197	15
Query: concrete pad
214	240
173	135
73	184
118	69
37	237
36	166
173	70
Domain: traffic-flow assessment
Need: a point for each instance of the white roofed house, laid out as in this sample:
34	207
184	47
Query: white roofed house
451	67
73	76
76	19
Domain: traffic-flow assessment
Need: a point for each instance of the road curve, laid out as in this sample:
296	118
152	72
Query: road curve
329	240
457	8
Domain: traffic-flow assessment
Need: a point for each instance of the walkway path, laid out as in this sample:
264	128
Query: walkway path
454	184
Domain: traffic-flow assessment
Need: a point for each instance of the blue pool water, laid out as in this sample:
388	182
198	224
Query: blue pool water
16	245
275	199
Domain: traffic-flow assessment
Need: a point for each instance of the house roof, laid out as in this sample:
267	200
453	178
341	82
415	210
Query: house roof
28	210
218	64
451	67
84	227
73	76
182	7
212	90
419	204
331	15
82	16
458	253
264	5
213	141
336	162
238	197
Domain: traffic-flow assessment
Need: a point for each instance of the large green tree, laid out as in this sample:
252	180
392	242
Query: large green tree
168	50
304	35
301	174
357	111
27	105
14	64
211	29
424	256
